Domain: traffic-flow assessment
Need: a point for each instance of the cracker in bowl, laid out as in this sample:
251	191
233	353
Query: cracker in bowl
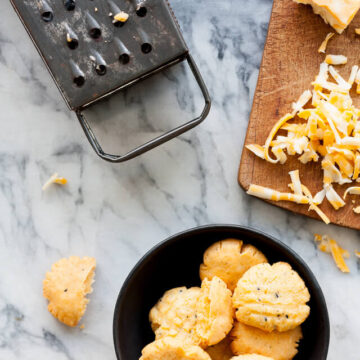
271	298
229	259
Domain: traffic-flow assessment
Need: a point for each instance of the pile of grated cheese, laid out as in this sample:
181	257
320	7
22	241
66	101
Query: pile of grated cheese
328	131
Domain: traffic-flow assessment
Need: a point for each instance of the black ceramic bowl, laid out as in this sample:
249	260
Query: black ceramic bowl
175	262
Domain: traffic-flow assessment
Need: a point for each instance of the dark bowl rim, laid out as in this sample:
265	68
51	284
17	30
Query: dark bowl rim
199	229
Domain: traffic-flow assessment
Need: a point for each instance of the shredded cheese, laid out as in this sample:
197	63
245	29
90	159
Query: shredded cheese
54	179
327	130
336	59
270	194
324	44
330	246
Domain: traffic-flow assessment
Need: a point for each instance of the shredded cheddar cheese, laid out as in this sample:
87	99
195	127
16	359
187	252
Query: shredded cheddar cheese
336	59
323	46
54	179
330	246
324	126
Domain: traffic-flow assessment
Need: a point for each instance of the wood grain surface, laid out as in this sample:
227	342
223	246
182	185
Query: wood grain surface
290	63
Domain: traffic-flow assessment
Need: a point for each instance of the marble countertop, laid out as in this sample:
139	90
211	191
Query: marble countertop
118	212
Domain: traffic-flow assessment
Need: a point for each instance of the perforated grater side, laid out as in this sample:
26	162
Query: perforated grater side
95	48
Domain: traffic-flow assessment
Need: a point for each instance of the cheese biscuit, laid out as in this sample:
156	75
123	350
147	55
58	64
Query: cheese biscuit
169	348
229	260
214	312
221	351
276	345
175	314
271	297
66	287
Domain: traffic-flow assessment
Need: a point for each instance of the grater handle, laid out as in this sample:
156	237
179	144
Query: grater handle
160	139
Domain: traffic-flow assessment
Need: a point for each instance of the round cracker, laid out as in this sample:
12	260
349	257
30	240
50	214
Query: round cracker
271	297
66	287
277	345
169	348
221	351
229	260
175	314
214	312
251	357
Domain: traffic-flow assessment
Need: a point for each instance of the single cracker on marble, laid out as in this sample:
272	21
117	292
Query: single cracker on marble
221	351
66	287
276	345
251	357
214	312
271	297
169	348
175	314
229	259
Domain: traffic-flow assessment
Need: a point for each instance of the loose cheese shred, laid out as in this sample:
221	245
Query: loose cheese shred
357	31
54	179
270	194
328	245
324	44
357	253
352	190
336	59
257	150
337	256
295	179
353	74
333	197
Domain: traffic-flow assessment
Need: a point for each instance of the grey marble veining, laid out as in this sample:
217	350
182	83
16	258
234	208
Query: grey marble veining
117	212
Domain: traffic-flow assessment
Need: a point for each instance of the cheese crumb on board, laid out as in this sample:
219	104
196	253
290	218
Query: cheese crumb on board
337	13
336	59
357	31
54	179
330	246
323	46
356	210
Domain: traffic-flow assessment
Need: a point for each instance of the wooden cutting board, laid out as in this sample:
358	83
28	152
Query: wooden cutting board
290	63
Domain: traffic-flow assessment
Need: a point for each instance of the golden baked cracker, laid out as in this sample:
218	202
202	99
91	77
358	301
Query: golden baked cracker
66	287
221	351
175	314
251	357
214	312
169	348
229	260
277	345
271	298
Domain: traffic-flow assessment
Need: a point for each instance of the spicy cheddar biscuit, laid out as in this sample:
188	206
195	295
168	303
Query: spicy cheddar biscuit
66	287
175	314
169	348
271	297
221	351
251	357
229	260
214	312
276	345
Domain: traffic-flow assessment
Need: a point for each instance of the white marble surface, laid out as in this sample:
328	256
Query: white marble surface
117	212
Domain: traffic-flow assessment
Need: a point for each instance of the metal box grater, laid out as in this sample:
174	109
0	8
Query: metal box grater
94	48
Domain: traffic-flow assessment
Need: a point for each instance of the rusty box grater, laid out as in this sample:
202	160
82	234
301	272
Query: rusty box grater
94	48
